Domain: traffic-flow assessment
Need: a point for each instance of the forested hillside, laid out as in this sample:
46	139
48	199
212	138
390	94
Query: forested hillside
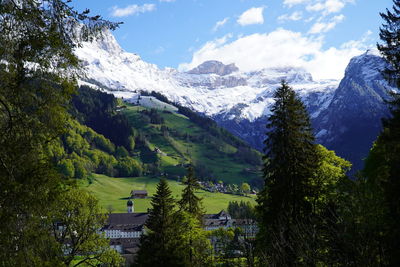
120	139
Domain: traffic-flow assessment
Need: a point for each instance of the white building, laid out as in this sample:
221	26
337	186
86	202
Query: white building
125	229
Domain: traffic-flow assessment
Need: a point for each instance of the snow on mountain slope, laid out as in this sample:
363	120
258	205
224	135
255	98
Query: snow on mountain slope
212	88
352	121
345	114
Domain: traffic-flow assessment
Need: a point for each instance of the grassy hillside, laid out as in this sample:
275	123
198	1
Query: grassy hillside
114	192
181	141
151	139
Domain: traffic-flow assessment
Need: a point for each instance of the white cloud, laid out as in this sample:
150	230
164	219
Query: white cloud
219	24
280	48
131	10
321	27
291	3
297	15
253	15
361	44
328	6
168	1
309	19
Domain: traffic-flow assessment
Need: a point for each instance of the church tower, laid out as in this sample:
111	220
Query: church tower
130	206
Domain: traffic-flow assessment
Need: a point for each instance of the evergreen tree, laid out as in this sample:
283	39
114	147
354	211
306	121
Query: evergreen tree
159	246
382	168
195	246
390	35
190	202
241	210
289	165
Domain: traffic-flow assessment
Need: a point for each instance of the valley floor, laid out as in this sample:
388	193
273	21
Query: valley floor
113	193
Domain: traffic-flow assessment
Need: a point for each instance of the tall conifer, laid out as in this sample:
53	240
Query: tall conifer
190	202
157	246
289	164
390	35
383	164
195	244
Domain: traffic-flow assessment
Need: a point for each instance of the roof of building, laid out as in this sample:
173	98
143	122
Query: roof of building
135	221
228	223
126	221
215	222
222	213
139	192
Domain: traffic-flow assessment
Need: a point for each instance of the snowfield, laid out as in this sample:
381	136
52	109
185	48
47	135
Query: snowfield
109	67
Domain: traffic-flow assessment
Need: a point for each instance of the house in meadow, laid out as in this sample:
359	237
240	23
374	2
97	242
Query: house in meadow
139	194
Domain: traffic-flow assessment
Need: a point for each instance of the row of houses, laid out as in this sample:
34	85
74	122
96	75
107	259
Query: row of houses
125	229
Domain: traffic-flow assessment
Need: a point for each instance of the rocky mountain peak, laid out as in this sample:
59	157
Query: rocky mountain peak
108	43
368	65
346	118
214	67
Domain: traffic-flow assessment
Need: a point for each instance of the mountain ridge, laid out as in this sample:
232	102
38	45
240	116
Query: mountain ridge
241	101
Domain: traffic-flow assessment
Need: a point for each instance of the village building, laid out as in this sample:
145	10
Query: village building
224	220
125	229
125	225
139	194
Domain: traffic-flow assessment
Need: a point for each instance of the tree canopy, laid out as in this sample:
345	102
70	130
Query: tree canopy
38	71
190	202
158	246
301	181
389	48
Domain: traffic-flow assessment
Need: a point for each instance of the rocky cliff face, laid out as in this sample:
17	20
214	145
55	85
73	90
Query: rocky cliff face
214	67
352	120
345	114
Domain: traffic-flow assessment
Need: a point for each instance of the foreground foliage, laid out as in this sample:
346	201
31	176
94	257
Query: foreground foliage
298	202
173	237
37	77
76	225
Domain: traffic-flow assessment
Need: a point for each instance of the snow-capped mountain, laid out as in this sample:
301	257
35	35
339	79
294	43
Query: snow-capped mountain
240	101
212	88
352	120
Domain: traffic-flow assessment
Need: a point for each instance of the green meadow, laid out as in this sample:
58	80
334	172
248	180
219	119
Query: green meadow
114	192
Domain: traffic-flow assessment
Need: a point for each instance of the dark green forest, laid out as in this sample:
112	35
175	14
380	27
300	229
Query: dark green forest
54	134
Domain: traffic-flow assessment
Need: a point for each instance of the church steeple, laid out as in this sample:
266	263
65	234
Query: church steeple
130	206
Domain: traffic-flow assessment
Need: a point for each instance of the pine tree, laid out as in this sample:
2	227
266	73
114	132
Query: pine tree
390	35
190	202
383	164
289	164
158	247
190	220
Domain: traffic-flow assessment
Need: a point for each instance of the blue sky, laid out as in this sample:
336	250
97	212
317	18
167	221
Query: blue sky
318	35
